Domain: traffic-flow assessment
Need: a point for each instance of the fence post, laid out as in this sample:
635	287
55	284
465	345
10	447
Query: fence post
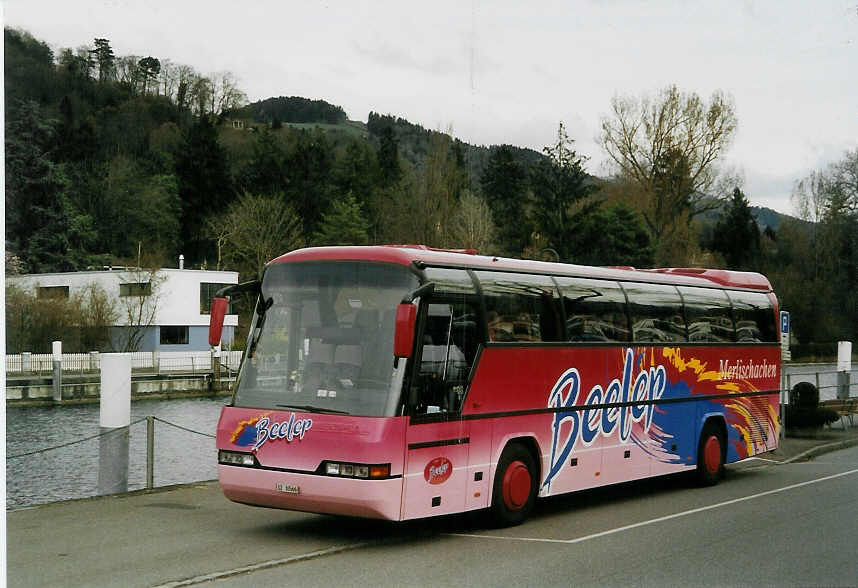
150	452
216	366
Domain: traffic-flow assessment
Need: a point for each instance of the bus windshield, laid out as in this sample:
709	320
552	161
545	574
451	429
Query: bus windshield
322	339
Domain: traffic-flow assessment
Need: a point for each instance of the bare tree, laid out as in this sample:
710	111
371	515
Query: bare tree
255	229
168	79
218	229
424	213
185	79
128	71
825	197
472	226
810	196
82	321
225	93
669	148
98	312
200	95
844	176
139	295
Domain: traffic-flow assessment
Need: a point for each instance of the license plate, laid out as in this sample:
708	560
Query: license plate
287	488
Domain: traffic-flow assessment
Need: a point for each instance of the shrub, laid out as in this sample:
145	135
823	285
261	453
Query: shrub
804	418
804	395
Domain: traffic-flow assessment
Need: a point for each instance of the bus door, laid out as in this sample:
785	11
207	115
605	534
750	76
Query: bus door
438	440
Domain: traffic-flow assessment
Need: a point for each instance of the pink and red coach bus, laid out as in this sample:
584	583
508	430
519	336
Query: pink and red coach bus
401	382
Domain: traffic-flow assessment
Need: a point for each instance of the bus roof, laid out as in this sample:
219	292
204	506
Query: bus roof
422	255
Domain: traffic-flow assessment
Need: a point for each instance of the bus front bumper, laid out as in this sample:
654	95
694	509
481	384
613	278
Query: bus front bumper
378	499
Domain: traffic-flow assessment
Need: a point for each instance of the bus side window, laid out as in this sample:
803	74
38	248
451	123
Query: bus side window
520	308
595	310
708	313
656	311
754	316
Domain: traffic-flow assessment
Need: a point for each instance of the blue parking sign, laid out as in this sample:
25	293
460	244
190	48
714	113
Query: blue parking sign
784	321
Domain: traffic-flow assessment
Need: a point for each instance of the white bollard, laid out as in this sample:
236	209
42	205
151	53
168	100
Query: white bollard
115	414
115	390
844	356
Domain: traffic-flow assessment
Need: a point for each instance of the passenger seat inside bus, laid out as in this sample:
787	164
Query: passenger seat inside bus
320	364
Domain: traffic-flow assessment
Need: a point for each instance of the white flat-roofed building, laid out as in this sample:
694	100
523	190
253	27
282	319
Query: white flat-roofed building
167	309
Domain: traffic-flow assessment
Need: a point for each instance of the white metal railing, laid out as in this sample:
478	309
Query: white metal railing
822	375
141	361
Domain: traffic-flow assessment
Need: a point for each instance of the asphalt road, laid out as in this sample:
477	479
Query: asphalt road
782	525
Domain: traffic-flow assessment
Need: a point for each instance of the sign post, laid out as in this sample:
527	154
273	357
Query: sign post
844	367
785	356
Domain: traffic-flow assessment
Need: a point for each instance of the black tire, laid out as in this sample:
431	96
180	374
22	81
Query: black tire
515	486
711	451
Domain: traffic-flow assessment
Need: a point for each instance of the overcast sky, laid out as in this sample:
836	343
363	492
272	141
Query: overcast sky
508	72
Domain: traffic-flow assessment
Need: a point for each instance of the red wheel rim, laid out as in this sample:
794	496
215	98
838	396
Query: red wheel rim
712	455
516	485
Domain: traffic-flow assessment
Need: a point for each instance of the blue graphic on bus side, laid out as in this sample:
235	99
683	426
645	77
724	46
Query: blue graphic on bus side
585	425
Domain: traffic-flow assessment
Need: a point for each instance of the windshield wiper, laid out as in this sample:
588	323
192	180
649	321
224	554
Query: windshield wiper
308	408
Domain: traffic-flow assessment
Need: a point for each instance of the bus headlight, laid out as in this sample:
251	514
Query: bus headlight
355	470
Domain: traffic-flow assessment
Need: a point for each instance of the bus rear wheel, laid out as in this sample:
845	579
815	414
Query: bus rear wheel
710	455
515	486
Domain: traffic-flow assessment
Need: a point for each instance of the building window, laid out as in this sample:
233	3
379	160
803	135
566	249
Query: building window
207	292
53	292
174	335
135	289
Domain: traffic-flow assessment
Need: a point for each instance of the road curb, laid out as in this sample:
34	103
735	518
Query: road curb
822	449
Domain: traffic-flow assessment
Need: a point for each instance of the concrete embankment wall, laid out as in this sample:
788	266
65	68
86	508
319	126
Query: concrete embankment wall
22	391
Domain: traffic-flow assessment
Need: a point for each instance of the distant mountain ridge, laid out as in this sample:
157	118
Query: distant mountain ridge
415	140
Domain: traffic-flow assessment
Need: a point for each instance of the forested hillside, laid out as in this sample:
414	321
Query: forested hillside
136	159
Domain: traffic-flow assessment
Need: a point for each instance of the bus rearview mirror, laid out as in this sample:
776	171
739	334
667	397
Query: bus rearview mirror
218	311
403	338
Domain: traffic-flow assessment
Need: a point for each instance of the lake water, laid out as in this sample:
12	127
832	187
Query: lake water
72	472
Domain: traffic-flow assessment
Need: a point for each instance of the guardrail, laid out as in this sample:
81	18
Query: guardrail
150	443
156	362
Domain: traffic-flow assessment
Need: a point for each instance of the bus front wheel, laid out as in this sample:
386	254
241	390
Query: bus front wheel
515	486
710	455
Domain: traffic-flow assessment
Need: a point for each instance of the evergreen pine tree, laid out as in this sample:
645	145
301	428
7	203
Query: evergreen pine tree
204	186
737	236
